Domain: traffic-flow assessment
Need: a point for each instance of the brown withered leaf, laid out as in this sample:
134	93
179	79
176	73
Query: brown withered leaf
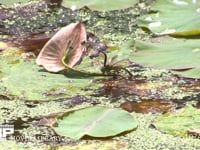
67	43
34	42
146	106
47	120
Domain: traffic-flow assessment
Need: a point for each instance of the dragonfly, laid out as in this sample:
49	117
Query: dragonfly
111	68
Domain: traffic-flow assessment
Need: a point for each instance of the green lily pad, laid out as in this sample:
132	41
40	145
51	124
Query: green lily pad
181	18
23	78
100	5
11	2
94	121
179	55
180	122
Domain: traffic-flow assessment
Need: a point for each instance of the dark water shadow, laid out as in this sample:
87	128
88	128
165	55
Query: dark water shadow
73	74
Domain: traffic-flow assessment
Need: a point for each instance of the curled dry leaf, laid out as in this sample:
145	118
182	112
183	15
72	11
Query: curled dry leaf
66	43
194	132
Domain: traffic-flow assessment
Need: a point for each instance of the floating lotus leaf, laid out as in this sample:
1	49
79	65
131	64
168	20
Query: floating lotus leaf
94	121
11	2
23	78
180	122
100	5
179	55
174	17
